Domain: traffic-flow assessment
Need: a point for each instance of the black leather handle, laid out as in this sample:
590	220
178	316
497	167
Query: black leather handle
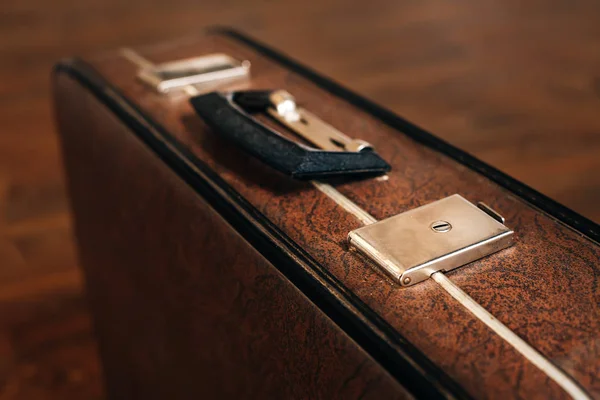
227	115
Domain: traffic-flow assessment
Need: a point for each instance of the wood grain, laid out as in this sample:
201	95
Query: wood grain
515	84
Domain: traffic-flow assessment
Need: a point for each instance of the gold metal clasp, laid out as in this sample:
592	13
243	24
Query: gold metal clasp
439	236
324	136
197	71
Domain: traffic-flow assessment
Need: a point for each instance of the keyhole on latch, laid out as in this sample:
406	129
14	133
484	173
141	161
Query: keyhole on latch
441	226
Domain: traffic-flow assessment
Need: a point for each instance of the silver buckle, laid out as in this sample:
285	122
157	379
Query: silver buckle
197	71
439	236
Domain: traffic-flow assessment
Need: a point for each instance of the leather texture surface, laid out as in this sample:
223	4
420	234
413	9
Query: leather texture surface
545	288
184	307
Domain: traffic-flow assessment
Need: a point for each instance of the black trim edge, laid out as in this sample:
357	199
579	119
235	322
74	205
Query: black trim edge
563	214
411	368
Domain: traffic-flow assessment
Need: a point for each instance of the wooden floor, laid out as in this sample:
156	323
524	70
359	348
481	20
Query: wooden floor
515	83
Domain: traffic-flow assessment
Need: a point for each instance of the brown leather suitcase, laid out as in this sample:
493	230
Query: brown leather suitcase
226	258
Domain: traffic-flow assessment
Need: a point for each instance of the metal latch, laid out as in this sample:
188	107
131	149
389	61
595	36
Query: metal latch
324	136
197	71
439	236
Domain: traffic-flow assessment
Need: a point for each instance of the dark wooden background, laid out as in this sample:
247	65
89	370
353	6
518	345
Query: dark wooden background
516	83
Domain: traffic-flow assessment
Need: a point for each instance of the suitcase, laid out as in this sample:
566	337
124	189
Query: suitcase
251	229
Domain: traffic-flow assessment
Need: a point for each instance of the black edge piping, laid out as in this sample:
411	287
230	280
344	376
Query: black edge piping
563	214
400	358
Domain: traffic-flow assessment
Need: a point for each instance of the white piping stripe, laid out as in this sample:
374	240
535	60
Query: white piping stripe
536	358
135	58
345	202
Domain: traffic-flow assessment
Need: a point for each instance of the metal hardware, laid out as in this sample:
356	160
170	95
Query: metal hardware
441	226
439	236
236	116
196	71
489	211
285	110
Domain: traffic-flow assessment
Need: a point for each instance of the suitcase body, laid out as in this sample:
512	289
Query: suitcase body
211	275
